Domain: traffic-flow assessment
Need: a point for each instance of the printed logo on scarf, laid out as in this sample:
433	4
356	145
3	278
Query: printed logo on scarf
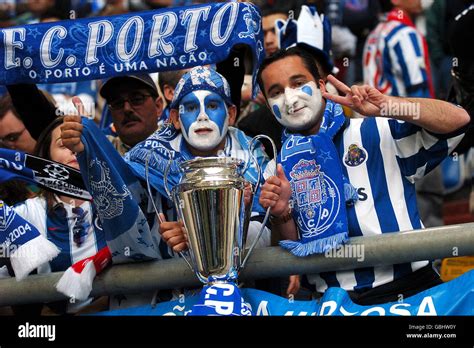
6	217
57	171
107	199
317	198
355	156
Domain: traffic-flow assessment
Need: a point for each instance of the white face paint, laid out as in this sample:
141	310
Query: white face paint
298	108
204	120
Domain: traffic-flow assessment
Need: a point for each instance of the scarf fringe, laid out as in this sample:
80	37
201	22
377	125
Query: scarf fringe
317	246
77	285
32	254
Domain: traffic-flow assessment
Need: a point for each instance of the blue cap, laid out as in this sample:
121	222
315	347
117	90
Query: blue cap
201	78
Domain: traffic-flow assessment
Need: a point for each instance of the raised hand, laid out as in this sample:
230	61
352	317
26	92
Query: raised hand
173	234
366	100
71	130
276	193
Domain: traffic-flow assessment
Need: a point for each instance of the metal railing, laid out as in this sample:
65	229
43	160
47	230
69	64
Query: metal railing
385	249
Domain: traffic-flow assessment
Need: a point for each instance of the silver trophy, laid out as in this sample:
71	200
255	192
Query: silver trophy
210	202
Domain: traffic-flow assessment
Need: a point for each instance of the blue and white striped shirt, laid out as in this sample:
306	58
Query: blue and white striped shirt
396	59
387	157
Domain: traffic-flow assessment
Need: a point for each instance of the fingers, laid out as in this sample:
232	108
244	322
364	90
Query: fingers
71	119
170	225
173	234
71	131
268	199
281	173
346	101
161	218
294	285
79	105
340	86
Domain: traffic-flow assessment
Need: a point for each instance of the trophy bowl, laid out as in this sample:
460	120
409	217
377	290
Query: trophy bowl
210	202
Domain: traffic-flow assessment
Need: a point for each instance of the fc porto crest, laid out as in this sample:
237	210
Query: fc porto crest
316	196
355	155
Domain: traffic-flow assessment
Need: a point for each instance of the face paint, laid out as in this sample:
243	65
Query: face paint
298	108
204	119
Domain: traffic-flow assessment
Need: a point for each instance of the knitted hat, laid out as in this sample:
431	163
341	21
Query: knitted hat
198	79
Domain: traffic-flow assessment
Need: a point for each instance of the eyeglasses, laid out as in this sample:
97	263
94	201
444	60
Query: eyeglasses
81	225
12	137
136	99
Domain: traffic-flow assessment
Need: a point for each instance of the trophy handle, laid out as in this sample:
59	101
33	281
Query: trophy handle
165	177
185	257
267	214
254	160
181	253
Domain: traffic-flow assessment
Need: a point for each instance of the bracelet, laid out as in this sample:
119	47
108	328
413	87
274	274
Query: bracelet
281	220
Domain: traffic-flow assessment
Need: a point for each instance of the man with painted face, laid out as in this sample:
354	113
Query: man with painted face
382	155
202	115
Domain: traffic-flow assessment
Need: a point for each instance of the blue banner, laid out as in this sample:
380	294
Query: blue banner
97	48
453	298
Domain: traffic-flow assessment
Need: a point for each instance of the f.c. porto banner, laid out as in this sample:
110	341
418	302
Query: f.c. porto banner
97	48
453	298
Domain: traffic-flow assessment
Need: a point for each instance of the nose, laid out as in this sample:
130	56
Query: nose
290	97
202	116
127	107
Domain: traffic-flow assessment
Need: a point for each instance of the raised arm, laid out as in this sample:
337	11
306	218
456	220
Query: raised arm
434	115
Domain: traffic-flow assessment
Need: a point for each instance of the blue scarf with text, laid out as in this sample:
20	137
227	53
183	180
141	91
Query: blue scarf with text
319	189
22	243
160	40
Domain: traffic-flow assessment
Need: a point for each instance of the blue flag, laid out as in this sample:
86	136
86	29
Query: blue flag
160	40
116	195
453	298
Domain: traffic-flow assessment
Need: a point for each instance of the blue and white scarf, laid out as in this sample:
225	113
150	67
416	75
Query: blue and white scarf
23	243
50	175
319	189
160	40
116	195
169	144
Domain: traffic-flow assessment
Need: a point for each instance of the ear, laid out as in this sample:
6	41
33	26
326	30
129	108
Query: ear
232	111
168	92
174	118
322	86
159	105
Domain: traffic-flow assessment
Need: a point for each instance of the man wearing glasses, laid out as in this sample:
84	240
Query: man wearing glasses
135	107
13	133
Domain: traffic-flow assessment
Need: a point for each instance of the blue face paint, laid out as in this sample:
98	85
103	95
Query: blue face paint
276	111
213	106
307	90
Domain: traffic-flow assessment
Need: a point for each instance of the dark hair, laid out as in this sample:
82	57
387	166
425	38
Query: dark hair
6	105
43	149
280	6
170	78
307	58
